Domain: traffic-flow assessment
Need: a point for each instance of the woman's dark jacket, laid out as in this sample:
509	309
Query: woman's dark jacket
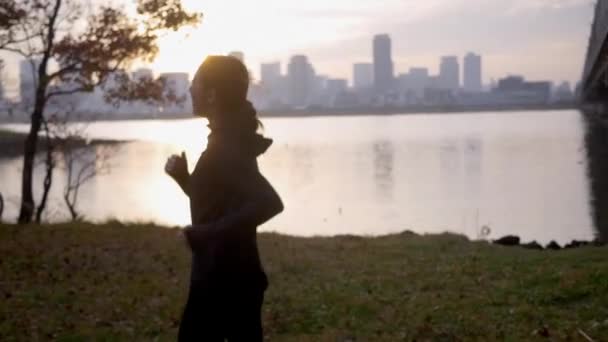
229	198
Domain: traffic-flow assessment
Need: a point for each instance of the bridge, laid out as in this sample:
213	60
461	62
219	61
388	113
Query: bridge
594	98
594	85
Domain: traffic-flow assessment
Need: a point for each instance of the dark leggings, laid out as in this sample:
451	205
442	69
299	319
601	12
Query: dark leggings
213	316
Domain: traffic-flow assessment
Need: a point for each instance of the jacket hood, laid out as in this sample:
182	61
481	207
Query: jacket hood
260	144
237	131
252	145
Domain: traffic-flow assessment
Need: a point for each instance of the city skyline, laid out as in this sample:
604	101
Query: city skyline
512	34
301	88
515	36
300	83
451	70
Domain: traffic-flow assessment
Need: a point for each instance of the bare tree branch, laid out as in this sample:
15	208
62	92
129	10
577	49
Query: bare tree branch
14	41
67	92
50	166
17	51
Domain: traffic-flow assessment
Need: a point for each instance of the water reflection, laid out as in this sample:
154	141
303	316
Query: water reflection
473	153
10	186
450	169
519	173
301	166
383	169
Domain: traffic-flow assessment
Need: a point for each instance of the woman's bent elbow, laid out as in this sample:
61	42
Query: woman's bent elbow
275	208
279	206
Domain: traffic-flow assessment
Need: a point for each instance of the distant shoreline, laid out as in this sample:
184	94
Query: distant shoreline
413	110
12	143
323	112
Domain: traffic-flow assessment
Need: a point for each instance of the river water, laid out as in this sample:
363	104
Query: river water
501	173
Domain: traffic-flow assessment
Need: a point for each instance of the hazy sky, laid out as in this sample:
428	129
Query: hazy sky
541	39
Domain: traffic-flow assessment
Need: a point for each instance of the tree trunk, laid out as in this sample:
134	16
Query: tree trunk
1	206
29	153
48	178
71	206
31	142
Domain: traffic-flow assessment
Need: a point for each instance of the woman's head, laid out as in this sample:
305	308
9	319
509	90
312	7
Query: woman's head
219	86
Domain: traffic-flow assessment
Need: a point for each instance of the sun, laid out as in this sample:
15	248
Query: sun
264	31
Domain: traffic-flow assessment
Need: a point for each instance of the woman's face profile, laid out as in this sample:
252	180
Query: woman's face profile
203	98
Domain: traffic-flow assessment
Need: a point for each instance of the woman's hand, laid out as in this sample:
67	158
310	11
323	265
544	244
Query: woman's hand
177	167
198	238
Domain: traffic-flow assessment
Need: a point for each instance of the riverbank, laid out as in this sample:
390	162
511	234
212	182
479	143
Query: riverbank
82	282
413	110
321	112
11	143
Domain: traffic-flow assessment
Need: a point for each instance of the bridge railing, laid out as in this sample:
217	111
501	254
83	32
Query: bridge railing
599	34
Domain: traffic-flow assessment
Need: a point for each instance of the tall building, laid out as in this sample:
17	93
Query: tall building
28	70
178	81
563	92
301	81
270	73
273	84
238	55
472	73
336	86
510	83
113	79
403	82
515	89
318	90
142	73
335	89
419	78
178	84
363	75
449	73
383	64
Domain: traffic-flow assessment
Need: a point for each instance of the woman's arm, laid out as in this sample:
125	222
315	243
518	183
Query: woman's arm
177	168
183	184
260	205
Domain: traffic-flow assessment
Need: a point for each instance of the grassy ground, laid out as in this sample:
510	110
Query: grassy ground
82	282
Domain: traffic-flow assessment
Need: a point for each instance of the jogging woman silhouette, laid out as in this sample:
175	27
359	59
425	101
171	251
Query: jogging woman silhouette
229	198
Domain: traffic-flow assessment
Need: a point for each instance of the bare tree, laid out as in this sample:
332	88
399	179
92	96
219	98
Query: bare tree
55	129
1	206
49	163
89	44
82	165
80	158
66	143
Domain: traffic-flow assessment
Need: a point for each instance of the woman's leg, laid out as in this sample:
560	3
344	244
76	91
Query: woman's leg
245	323
200	319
